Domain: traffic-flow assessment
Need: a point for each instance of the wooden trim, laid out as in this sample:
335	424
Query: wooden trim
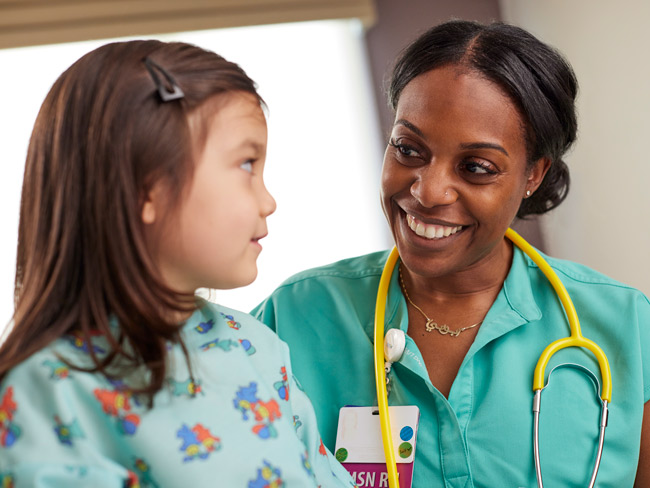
33	22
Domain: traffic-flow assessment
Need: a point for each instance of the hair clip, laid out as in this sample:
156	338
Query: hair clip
165	93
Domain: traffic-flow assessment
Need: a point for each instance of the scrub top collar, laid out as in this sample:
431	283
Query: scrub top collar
514	307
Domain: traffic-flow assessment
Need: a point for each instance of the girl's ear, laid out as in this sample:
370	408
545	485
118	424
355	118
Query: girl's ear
148	211
536	174
153	200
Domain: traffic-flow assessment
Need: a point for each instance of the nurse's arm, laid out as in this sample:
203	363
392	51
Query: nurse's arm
643	471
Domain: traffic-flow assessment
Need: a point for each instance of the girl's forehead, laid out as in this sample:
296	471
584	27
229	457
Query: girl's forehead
240	111
222	112
238	120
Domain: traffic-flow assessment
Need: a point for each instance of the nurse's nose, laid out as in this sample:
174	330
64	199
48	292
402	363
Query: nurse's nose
434	186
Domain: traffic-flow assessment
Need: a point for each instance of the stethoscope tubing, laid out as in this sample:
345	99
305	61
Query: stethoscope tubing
576	339
380	373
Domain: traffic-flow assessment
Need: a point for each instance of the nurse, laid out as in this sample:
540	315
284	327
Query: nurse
483	117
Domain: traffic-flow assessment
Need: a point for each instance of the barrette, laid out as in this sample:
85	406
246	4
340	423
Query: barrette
166	94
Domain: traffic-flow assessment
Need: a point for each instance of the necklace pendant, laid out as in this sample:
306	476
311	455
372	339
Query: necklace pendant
444	329
430	325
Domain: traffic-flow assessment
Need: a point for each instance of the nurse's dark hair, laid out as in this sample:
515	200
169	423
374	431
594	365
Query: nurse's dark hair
103	137
536	77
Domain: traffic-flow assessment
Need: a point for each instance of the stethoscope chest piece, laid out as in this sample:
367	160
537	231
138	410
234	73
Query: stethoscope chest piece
394	344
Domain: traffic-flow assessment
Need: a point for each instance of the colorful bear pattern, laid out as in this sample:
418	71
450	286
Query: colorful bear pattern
233	419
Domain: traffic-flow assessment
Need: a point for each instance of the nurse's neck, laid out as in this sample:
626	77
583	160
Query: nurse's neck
484	277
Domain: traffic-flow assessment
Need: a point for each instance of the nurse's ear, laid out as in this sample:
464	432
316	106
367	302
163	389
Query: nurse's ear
536	173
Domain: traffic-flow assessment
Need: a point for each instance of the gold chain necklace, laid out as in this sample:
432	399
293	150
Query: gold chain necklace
430	324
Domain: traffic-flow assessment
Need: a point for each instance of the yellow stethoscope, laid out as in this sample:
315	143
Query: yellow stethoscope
576	339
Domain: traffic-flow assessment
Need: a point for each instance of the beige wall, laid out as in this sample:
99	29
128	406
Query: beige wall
398	23
605	222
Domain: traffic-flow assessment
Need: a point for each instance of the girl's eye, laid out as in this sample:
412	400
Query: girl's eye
247	166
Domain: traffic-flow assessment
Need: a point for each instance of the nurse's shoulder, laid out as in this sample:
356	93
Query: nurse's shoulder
354	268
337	284
583	280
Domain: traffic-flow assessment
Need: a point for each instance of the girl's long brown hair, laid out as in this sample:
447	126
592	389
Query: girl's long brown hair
102	138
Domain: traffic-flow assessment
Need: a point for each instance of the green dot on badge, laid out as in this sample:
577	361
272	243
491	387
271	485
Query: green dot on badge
405	450
341	454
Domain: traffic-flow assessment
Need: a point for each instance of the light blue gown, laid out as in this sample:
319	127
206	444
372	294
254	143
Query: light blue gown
243	422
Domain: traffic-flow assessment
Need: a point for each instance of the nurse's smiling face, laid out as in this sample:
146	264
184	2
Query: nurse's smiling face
455	172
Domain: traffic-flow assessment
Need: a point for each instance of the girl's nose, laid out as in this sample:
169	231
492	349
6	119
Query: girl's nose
267	202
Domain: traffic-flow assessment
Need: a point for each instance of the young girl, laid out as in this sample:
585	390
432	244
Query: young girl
143	182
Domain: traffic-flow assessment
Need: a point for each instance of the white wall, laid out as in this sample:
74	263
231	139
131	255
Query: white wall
605	221
324	152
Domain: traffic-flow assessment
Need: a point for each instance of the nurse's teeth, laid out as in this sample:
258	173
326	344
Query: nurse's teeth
430	231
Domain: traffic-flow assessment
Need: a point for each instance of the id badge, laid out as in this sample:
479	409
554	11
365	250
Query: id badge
359	446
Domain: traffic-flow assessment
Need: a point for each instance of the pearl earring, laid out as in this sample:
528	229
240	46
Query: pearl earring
527	193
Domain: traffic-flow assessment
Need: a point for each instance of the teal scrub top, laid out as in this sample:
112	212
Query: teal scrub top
482	435
242	422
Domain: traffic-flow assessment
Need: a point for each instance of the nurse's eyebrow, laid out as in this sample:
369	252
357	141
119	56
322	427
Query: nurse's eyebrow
410	126
484	145
469	145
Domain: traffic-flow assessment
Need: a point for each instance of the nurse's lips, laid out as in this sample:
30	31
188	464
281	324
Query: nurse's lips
431	231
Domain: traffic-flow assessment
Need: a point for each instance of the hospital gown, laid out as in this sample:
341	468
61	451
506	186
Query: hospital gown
242	422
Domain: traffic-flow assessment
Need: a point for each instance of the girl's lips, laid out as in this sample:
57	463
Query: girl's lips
431	231
256	241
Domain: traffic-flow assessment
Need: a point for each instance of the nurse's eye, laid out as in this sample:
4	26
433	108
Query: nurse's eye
405	150
247	165
478	168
